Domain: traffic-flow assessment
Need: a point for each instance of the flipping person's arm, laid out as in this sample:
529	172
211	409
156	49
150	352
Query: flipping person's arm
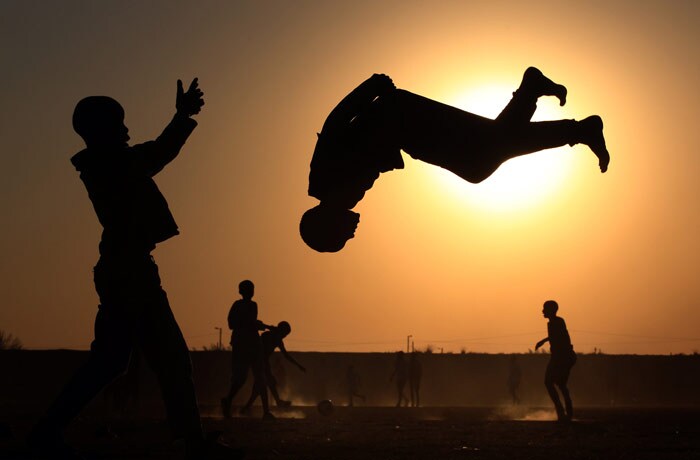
359	99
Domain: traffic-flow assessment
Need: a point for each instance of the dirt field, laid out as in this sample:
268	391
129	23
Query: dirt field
389	433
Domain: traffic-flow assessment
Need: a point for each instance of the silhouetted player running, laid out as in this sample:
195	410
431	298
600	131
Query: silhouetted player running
134	309
561	361
364	134
246	348
272	339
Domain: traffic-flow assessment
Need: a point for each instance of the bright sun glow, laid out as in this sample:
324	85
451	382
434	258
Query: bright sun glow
521	183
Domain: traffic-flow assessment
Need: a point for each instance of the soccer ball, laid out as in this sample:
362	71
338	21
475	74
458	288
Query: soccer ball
325	407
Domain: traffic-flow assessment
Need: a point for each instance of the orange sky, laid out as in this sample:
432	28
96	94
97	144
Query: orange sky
441	260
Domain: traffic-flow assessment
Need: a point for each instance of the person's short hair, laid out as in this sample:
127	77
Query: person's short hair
551	305
284	328
327	229
246	287
93	113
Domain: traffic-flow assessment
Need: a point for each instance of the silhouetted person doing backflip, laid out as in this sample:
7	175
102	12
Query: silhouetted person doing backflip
134	309
246	348
400	373
272	339
364	134
561	361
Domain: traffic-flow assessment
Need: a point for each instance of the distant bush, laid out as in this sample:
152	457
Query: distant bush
215	347
9	341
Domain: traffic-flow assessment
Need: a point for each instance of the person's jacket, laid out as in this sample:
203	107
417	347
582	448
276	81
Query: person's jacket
133	212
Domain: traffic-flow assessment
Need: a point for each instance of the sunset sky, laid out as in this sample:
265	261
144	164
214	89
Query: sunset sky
455	265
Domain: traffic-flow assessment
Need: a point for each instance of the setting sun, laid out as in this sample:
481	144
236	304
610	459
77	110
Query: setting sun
519	184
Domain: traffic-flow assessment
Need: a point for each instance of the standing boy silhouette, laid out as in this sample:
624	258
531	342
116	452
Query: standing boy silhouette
134	310
401	373
246	348
561	361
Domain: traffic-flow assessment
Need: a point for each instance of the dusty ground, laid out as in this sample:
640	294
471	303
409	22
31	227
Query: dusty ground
390	433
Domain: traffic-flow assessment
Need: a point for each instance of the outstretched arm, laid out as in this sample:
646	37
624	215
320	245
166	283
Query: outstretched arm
289	357
154	155
355	102
541	342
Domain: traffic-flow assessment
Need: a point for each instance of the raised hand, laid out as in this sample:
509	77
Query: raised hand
189	103
383	82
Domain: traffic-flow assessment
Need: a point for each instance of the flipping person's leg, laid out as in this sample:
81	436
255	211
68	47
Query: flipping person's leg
524	102
512	141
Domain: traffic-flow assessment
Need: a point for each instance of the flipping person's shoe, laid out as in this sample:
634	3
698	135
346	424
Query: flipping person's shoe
539	85
592	136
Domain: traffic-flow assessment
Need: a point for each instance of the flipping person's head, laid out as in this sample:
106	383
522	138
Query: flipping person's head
327	228
99	120
549	309
246	288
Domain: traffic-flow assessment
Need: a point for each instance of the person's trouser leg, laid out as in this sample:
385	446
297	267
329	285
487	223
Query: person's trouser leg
240	364
109	358
469	145
260	382
110	351
563	387
550	377
272	383
167	354
567	400
253	396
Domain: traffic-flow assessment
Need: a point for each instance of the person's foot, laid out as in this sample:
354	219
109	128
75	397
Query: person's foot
245	410
283	403
226	407
592	136
535	82
268	416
